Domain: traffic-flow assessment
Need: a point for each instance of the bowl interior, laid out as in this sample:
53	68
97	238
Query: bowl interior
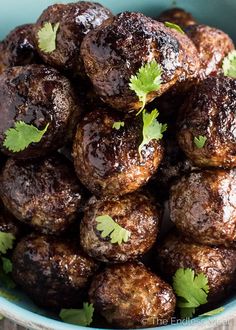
217	13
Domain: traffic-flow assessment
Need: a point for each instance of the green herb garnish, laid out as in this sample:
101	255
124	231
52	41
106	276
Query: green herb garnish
118	124
110	228
213	312
147	80
47	37
229	65
22	135
191	290
82	316
200	141
152	129
174	26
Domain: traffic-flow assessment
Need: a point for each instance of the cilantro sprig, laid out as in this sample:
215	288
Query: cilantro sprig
191	290
174	27
147	79
109	228
229	65
22	135
47	37
152	129
6	242
118	124
82	316
200	141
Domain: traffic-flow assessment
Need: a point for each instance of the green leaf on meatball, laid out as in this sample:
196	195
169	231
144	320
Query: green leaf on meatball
200	141
229	65
6	242
191	290
47	37
109	228
152	129
147	79
174	27
22	135
82	316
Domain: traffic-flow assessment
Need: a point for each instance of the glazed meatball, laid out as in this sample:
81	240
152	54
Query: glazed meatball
115	51
218	264
203	206
212	44
130	296
17	48
39	96
107	160
53	272
135	212
44	194
177	16
75	21
210	112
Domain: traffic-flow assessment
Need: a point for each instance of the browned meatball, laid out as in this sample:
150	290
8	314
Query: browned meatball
177	16
130	296
44	194
107	160
75	21
17	48
53	272
212	44
135	212
113	52
218	264
37	95
203	207
210	112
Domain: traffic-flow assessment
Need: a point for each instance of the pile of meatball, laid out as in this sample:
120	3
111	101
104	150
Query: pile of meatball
53	191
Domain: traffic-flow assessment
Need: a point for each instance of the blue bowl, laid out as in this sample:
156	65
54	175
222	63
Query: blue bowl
217	13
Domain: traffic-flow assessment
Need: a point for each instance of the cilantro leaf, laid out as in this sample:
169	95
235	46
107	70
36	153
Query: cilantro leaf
229	65
147	80
6	242
174	26
47	37
191	290
82	316
152	129
5	294
110	228
118	124
200	141
20	137
213	312
6	265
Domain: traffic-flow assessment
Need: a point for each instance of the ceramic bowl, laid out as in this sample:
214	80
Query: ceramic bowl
218	13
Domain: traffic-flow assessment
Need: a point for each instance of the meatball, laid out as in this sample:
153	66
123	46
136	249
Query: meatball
218	264
18	49
44	194
53	272
212	44
113	52
107	160
75	21
203	207
210	112
130	296
39	96
177	16
135	212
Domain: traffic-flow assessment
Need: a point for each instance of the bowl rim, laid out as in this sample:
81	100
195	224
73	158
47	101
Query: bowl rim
32	320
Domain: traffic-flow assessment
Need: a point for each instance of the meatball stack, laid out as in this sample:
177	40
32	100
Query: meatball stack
86	179
202	200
